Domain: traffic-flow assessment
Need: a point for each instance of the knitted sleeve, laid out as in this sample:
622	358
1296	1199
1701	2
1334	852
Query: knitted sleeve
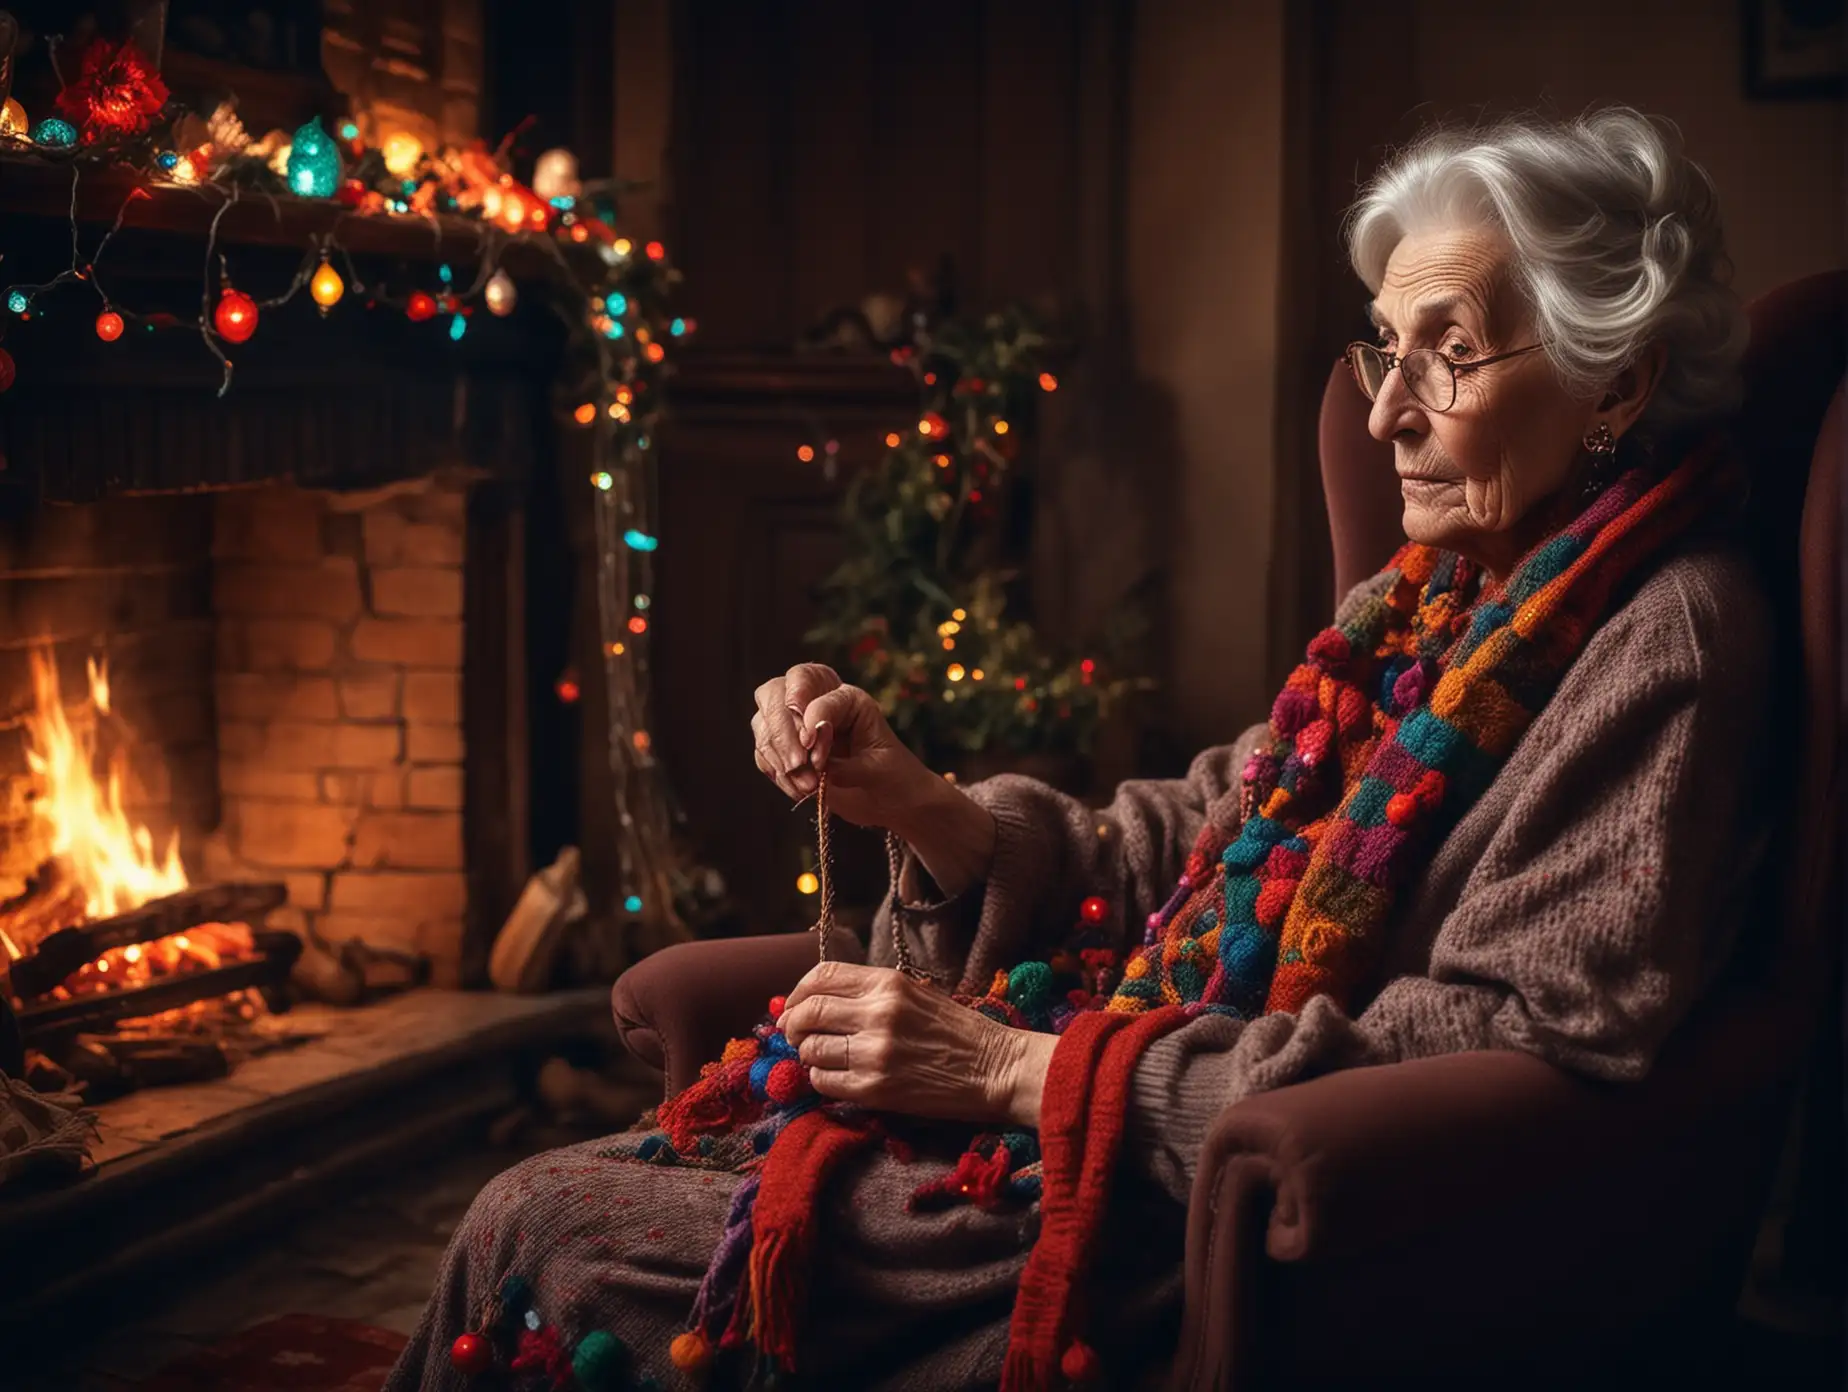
1608	893
1051	853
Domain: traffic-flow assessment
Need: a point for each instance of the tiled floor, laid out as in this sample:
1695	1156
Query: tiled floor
372	1260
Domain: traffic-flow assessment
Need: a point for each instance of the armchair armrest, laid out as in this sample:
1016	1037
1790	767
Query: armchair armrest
1492	1191
676	1008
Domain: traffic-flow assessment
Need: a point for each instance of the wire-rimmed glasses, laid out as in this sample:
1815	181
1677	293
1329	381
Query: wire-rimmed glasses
1430	377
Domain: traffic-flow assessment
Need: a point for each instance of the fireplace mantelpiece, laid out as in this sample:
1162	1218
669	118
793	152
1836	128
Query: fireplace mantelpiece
352	399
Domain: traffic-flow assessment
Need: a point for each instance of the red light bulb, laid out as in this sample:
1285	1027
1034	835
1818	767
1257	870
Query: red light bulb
109	326
420	307
236	316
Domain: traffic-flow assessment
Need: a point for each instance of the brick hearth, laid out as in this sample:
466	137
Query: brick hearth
339	696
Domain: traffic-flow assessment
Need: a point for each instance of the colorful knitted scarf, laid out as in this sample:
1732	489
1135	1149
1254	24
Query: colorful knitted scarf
1393	725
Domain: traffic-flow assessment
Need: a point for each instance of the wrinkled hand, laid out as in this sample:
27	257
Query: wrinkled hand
808	719
872	1036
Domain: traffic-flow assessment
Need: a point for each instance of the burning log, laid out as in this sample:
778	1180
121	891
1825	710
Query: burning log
68	949
268	971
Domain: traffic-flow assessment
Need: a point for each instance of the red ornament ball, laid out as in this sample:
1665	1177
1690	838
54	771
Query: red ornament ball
236	316
1094	910
471	1354
777	1006
420	307
109	326
350	194
786	1082
7	370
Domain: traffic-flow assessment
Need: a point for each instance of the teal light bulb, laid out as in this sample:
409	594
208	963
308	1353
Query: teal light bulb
314	162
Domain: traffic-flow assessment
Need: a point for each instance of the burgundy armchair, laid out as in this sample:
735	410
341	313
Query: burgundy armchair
1485	1215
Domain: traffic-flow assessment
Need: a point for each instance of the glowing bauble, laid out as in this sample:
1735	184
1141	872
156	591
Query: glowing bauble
501	294
555	176
314	162
236	316
13	123
402	151
420	306
327	287
471	1355
109	326
511	213
7	370
54	134
18	301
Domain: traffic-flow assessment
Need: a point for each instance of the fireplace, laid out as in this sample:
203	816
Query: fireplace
289	632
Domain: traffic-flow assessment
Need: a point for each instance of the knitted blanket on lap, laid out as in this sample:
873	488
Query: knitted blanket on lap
1388	731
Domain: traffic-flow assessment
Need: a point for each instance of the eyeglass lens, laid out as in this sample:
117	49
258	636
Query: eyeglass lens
1427	375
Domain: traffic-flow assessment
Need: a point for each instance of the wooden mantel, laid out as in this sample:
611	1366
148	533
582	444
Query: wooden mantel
354	398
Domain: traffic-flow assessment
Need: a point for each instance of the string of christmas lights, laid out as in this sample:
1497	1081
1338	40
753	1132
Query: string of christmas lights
611	296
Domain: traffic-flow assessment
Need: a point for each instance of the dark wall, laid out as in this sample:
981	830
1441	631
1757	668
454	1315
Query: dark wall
824	148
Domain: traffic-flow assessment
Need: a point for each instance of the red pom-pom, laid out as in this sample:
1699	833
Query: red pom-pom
1401	809
1080	1363
778	1004
471	1354
786	1082
1094	910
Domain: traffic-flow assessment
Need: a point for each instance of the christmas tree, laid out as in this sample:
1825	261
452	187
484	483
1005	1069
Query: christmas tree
917	612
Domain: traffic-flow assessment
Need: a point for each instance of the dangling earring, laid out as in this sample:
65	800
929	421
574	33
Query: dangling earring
1602	446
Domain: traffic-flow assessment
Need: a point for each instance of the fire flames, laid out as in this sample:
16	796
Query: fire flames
108	858
100	862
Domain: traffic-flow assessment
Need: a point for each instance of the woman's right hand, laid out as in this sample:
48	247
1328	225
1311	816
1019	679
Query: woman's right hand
809	719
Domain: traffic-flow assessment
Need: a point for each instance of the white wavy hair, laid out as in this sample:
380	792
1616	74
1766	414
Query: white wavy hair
1616	237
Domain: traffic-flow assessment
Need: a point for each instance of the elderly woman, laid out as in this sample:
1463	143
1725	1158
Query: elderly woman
1501	805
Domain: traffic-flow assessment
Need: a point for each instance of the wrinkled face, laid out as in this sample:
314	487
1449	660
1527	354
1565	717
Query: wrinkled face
1479	479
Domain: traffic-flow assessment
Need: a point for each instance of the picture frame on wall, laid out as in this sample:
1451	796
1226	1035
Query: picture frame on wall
1795	48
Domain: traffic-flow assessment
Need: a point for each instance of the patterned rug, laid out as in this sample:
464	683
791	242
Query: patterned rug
296	1353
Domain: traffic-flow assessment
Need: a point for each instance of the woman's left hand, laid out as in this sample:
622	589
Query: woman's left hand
873	1036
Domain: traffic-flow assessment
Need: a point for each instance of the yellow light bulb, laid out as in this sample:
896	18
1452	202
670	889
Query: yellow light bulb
959	614
13	121
956	672
1000	427
622	246
976	675
327	287
807	883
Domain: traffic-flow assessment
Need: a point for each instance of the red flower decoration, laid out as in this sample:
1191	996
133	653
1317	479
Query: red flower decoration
116	94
